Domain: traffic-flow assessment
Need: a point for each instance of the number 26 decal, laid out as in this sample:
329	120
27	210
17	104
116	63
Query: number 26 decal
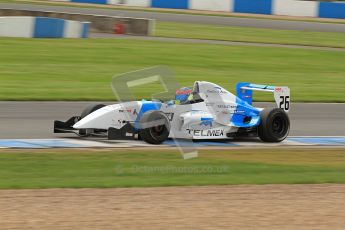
284	102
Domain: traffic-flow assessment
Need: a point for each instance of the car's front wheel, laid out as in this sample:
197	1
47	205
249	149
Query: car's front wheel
154	127
274	126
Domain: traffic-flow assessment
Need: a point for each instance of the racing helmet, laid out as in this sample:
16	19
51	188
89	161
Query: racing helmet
182	94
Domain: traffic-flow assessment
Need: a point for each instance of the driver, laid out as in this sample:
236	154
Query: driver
183	95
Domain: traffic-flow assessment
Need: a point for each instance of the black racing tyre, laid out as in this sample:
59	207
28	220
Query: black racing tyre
274	126
151	132
88	110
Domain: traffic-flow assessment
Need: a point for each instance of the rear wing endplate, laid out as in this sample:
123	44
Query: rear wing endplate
281	93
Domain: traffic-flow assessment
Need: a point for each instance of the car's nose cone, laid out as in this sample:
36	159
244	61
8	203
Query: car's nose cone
100	119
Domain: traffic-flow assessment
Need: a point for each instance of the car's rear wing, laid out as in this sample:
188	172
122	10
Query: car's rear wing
281	93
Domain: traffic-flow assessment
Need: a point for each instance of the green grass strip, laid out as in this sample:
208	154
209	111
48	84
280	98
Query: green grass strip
108	169
76	69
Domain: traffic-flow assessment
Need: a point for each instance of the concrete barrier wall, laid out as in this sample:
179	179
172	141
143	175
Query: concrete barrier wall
253	7
175	4
17	27
295	8
42	27
91	1
212	5
332	10
276	7
142	3
99	23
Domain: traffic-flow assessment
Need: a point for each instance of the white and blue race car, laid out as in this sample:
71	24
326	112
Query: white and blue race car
207	111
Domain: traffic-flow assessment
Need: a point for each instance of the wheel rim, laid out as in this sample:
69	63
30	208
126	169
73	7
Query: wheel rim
158	130
279	126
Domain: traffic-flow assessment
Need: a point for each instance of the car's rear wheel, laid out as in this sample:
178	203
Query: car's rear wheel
88	110
154	127
274	126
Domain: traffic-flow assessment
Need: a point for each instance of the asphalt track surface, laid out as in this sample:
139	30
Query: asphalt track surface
188	18
35	119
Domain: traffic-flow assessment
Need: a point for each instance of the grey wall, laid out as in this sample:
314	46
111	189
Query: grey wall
99	23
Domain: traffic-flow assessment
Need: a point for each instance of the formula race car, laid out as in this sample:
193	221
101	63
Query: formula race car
207	111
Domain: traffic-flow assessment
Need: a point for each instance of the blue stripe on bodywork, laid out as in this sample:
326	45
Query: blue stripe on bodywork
243	109
246	95
206	121
146	106
243	94
261	86
49	27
